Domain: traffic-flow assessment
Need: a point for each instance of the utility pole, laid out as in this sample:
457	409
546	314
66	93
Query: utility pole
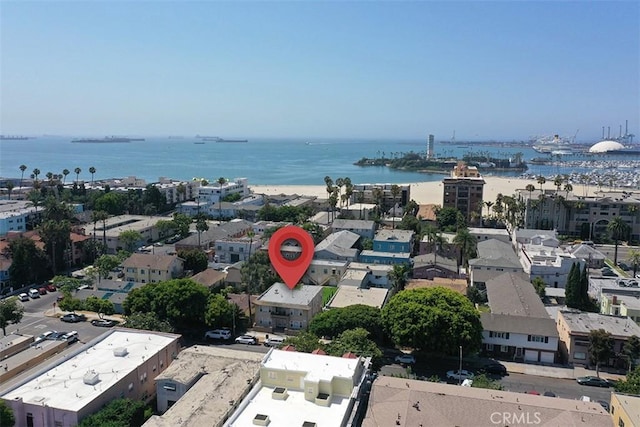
460	370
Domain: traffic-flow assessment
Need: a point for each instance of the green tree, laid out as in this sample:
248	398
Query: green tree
467	245
434	319
395	192
6	414
399	276
153	197
201	227
332	323
220	312
29	263
77	172
10	312
92	171
55	231
572	288
106	263
257	273
130	240
447	218
483	381
634	260
182	223
98	305
355	341
619	231
148	322
539	286
631	351
22	169
117	413
194	260
632	383
112	203
305	342
181	302
600	347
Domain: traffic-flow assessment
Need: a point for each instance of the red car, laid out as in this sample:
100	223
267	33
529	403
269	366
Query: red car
50	287
42	290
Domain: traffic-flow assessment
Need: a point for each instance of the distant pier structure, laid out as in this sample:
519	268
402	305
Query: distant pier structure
430	153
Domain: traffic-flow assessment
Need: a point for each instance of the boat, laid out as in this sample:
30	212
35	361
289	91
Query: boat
199	142
106	140
551	144
13	138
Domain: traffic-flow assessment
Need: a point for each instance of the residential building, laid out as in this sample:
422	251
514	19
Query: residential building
289	310
177	191
75	254
324	272
210	278
625	410
366	193
574	329
346	296
214	192
621	303
463	190
354	279
338	246
363	228
483	234
581	216
523	236
360	211
233	249
406	402
388	258
518	326
114	226
427	213
378	276
118	363
544	258
494	257
15	215
593	257
430	266
393	241
207	239
185	388
150	268
304	389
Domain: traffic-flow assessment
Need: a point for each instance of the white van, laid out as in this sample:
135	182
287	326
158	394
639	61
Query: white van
274	341
218	334
33	293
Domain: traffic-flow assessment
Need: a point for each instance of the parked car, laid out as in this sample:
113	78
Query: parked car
70	337
460	375
73	318
57	335
593	381
42	290
273	341
42	337
549	394
33	293
495	368
60	297
624	266
51	287
104	323
609	273
218	334
405	359
23	297
246	339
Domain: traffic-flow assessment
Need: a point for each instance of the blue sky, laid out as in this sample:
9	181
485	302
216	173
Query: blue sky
488	70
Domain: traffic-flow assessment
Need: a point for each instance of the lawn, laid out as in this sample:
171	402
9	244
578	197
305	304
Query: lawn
327	293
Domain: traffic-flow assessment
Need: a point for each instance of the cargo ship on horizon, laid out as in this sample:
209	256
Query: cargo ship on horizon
106	140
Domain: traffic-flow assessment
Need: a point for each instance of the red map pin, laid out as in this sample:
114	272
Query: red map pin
290	252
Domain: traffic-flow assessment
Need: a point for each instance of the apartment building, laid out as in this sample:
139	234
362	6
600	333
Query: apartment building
151	268
463	190
288	310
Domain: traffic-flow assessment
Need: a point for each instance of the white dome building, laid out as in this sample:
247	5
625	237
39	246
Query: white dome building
606	146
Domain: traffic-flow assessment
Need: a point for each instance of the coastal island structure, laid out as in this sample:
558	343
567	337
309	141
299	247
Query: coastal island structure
463	190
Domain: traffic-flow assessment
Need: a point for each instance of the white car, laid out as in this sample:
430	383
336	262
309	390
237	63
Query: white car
406	359
246	339
218	334
23	297
460	375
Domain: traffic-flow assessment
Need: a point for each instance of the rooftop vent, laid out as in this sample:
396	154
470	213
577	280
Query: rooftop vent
261	420
279	393
120	352
91	378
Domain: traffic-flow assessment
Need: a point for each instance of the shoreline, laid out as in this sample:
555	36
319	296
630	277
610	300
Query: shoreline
430	192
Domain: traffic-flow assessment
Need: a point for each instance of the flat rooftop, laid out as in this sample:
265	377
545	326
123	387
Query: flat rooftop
583	323
416	403
351	295
61	386
228	375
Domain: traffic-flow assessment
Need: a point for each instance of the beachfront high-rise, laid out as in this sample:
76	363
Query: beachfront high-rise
463	190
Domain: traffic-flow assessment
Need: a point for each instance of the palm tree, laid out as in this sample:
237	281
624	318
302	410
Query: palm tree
488	204
541	180
395	191
201	226
399	276
35	200
618	229
339	185
102	216
65	172
22	169
466	244
378	196
77	171
36	172
557	182
92	171
9	187
221	182
348	189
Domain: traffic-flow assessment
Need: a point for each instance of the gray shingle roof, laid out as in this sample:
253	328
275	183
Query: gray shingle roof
519	324
223	231
354	224
494	253
512	293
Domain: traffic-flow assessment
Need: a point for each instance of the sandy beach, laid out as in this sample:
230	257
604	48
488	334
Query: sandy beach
424	192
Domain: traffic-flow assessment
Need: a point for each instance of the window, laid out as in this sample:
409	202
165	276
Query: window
29	419
503	335
169	387
272	375
489	347
579	355
538	338
504	348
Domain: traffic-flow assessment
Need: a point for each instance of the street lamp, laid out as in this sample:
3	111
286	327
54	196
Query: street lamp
460	369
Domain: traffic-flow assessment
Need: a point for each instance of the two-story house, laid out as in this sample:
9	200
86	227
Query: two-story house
389	247
150	268
287	310
365	229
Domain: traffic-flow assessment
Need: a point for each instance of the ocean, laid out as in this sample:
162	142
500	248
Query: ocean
261	160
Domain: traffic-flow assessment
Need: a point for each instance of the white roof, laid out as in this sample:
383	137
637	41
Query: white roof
63	386
317	367
604	146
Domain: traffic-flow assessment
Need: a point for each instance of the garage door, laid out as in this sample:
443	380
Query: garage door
547	357
531	355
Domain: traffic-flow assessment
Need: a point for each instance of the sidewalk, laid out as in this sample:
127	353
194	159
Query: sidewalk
557	372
